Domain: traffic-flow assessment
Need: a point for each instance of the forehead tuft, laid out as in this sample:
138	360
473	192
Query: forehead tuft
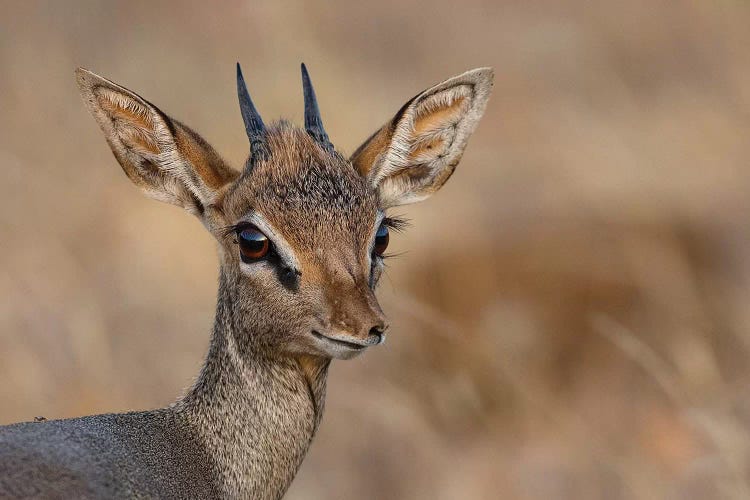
303	190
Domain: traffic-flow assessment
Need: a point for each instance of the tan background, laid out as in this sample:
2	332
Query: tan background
570	313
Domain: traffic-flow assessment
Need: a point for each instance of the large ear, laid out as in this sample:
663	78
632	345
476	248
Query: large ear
167	160
413	155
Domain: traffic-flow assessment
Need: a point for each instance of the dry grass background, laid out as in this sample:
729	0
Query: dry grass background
570	314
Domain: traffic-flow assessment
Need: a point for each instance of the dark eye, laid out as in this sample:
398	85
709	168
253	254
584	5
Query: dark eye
381	240
254	245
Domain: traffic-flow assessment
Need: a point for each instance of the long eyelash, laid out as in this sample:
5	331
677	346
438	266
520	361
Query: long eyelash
392	255
396	223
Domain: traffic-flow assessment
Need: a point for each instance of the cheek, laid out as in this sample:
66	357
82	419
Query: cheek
268	305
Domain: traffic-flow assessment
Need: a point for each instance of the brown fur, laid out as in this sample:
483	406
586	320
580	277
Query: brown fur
207	163
368	154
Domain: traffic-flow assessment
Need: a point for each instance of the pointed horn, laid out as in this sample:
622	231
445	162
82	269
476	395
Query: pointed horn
254	126
313	122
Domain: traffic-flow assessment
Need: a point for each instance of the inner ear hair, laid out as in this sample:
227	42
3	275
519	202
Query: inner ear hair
132	121
432	127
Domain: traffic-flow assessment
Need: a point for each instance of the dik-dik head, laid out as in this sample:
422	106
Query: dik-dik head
301	229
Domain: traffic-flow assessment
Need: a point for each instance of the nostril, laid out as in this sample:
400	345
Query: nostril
379	331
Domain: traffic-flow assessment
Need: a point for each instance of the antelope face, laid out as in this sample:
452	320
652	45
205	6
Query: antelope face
302	230
307	239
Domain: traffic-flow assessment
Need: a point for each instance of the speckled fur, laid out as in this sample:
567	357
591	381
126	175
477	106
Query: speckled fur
244	427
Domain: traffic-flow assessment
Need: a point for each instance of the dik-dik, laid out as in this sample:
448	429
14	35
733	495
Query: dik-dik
300	230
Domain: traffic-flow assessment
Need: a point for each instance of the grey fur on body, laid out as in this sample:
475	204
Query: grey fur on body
244	427
155	454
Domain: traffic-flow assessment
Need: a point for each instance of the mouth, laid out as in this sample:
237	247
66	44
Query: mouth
348	343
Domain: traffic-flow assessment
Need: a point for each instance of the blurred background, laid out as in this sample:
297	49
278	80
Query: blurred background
569	314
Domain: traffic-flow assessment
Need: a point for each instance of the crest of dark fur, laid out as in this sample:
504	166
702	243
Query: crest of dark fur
314	194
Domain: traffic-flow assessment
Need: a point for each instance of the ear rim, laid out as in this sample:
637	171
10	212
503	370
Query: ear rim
193	198
393	158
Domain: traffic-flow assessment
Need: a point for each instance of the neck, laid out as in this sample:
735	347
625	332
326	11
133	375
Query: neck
256	413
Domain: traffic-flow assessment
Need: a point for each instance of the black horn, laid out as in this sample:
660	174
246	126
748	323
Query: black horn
256	130
313	122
